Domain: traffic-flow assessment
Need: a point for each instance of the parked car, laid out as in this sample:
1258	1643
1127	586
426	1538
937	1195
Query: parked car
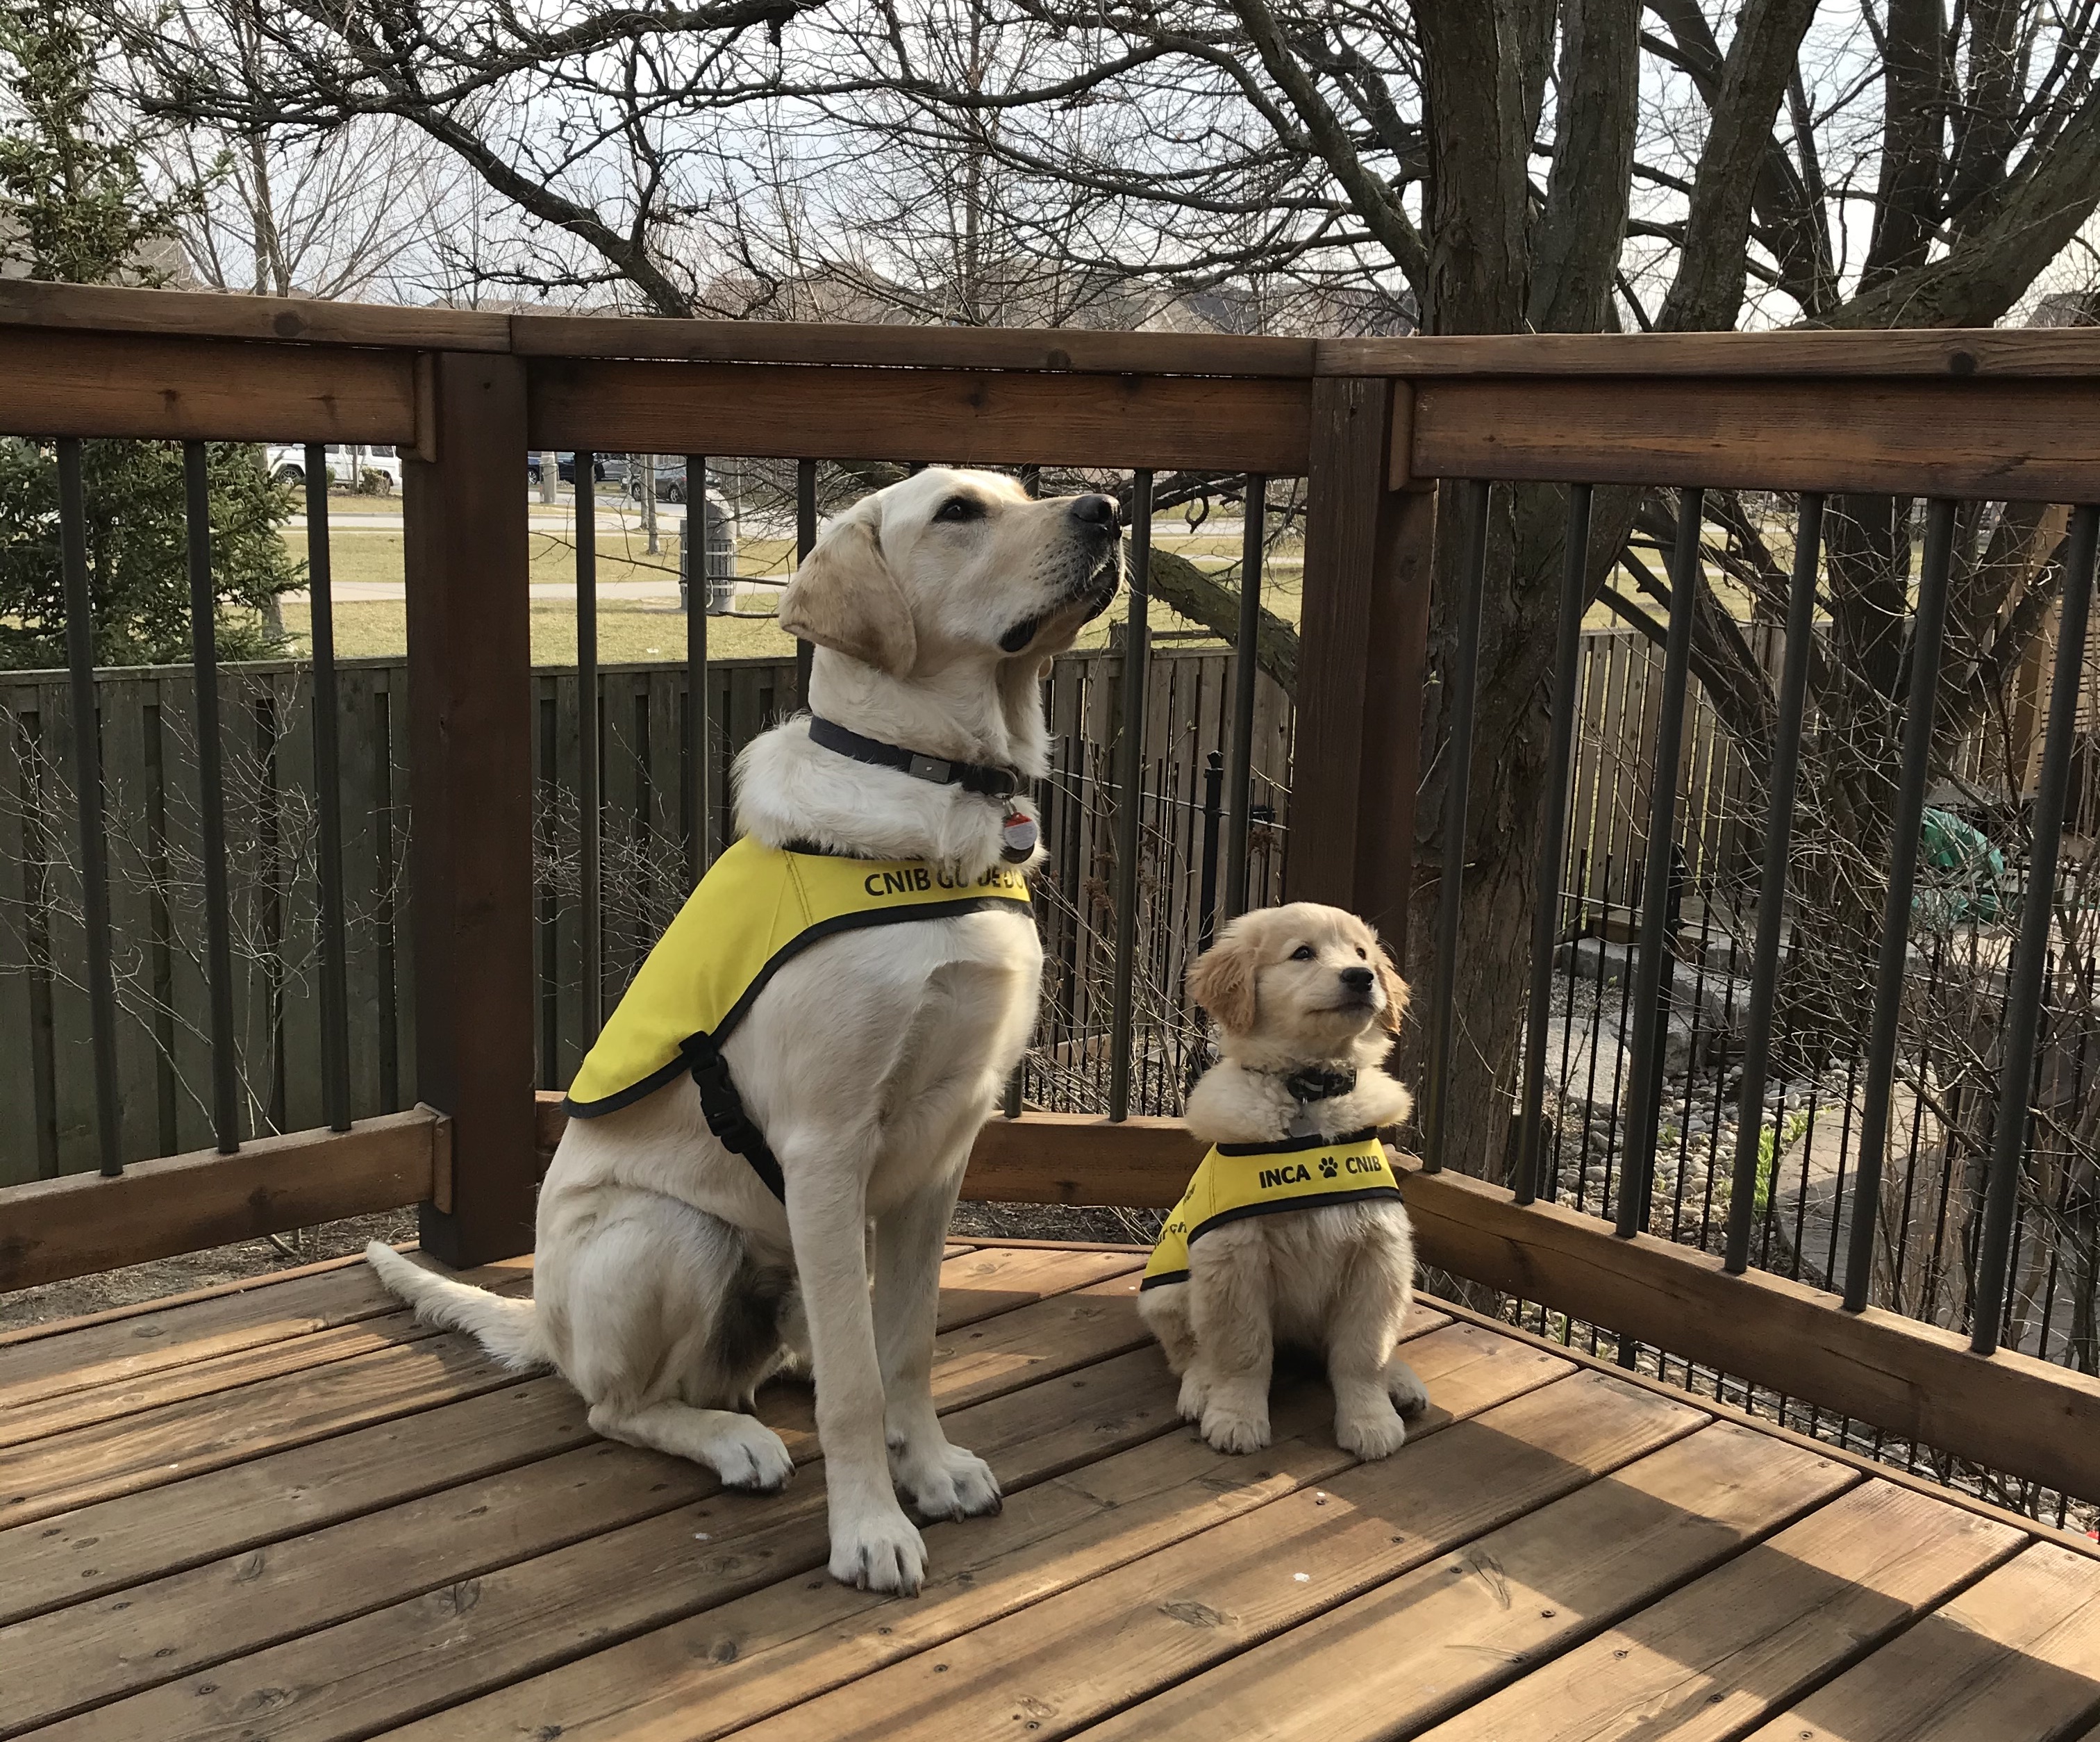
670	479
605	467
348	465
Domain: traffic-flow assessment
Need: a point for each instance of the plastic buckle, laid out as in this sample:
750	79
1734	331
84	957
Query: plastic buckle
930	768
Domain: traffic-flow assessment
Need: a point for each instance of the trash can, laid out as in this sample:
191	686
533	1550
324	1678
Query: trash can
717	559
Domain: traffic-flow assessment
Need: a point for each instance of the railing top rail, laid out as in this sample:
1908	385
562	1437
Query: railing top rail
2062	352
1955	352
95	308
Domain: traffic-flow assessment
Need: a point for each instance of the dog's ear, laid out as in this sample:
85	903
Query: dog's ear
846	597
1222	981
1396	993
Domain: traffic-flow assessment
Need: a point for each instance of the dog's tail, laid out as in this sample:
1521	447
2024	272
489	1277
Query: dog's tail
508	1329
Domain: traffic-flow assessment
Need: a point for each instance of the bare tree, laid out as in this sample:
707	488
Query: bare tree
1354	165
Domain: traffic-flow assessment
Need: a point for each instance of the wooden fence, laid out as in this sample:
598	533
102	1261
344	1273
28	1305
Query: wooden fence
46	1089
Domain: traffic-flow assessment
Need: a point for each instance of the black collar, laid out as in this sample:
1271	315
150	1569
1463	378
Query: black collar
973	777
1317	1083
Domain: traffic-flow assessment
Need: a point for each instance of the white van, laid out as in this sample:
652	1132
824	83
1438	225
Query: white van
347	466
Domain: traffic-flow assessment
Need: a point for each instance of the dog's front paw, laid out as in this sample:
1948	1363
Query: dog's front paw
879	1550
1195	1397
748	1454
1407	1393
945	1481
1235	1428
1371	1433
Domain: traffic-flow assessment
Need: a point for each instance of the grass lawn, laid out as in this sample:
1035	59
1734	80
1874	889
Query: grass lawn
630	631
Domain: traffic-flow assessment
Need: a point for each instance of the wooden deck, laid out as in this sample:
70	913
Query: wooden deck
288	1512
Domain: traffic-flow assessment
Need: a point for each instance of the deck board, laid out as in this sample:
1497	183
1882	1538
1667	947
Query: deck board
2013	1658
287	1512
1730	1649
760	1654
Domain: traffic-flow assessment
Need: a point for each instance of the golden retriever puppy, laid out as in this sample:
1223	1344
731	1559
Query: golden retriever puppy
1293	1231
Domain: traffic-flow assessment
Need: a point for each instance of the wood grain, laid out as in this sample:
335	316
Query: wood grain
102	308
1056	350
731	1666
1437	1638
121	1399
1032	1419
67	384
1075	1658
89	1653
55	1228
2029	440
471	782
1365	622
103	1547
2007	1412
2015	1658
1960	354
944	416
1728	1650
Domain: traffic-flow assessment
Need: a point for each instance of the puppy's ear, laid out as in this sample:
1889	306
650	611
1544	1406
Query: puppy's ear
1396	993
846	597
1222	981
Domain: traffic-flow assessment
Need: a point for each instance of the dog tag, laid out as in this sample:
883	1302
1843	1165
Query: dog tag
1018	836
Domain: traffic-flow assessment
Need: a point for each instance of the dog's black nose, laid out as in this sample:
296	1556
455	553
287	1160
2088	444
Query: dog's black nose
1094	510
1356	980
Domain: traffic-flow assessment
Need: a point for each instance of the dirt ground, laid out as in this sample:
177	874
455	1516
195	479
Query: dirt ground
258	1258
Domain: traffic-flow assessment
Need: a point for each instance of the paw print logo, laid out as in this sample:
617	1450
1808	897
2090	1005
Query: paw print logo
1327	1168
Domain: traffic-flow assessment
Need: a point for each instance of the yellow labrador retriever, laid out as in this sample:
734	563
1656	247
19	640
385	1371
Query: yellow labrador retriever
706	1216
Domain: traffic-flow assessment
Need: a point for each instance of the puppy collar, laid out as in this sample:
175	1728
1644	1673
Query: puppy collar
1318	1083
982	778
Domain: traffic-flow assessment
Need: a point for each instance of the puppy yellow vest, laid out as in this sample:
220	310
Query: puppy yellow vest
758	908
1237	1180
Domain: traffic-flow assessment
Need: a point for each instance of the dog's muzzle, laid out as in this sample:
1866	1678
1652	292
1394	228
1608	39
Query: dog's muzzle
1096	590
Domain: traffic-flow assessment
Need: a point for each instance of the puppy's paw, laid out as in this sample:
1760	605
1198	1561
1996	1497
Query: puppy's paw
946	1482
1235	1429
1195	1394
1369	1433
879	1550
1407	1393
748	1454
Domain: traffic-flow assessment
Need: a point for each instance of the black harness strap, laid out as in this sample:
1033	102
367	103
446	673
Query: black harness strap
723	1109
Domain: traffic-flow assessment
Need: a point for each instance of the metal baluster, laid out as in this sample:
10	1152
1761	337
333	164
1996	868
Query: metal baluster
805	541
700	769
1920	701
87	786
1135	646
1560	755
1240	817
1214	806
328	792
1464	679
1651	999
587	753
211	800
2023	994
1771	886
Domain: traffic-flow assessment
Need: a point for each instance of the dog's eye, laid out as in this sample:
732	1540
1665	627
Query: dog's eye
1303	952
1362	954
959	508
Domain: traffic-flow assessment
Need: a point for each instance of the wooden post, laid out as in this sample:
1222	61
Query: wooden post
1365	629
470	768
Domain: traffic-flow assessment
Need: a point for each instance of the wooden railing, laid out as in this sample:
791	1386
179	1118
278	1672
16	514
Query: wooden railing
1376	427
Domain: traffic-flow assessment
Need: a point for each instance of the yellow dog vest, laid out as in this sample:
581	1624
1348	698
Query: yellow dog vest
758	908
1237	1180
